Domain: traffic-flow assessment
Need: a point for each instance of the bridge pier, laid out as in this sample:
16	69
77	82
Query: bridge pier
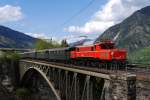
77	84
122	87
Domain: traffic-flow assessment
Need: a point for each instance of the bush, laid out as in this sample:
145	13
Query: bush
13	56
23	94
140	57
48	44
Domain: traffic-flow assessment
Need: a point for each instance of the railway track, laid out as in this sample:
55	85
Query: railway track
142	72
88	68
107	69
139	68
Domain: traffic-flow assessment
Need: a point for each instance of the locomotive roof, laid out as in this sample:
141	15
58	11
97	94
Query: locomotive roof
84	45
28	52
54	49
57	49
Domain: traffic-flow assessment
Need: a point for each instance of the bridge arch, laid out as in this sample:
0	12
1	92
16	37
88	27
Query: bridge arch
28	73
71	83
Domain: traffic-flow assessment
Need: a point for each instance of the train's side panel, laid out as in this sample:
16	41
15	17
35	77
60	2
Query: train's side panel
28	55
40	55
102	55
88	54
49	54
119	54
96	53
62	54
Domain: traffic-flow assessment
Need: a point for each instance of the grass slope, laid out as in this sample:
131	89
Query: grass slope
142	56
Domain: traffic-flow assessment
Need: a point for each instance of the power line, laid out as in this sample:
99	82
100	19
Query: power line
76	14
80	11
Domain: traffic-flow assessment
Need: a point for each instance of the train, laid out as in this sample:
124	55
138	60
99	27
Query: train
102	54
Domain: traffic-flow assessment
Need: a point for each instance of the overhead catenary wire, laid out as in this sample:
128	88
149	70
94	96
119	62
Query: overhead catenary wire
75	15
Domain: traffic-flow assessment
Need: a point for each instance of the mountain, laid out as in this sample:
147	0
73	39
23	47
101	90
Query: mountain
80	42
133	33
13	39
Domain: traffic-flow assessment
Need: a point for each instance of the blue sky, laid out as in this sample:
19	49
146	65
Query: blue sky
46	18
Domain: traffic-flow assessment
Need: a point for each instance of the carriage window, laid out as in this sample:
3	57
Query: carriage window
77	49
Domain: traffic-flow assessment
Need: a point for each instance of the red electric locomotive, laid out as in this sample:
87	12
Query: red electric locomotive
101	52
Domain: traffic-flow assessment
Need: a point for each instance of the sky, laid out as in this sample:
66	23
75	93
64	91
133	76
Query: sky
66	19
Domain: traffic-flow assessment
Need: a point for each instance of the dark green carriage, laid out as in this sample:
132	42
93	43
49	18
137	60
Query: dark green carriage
40	54
58	54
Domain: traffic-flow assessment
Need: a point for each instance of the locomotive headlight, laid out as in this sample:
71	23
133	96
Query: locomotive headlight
112	53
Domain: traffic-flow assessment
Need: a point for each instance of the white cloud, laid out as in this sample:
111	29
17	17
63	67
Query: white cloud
10	13
37	35
113	12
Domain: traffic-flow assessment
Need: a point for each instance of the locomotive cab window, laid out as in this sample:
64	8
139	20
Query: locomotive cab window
107	46
92	48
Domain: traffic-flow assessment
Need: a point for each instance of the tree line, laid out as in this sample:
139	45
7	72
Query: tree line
48	44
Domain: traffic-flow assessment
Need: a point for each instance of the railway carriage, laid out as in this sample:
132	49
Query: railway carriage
41	54
28	54
59	54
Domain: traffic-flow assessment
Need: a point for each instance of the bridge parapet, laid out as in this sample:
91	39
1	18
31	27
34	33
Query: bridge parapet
76	84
